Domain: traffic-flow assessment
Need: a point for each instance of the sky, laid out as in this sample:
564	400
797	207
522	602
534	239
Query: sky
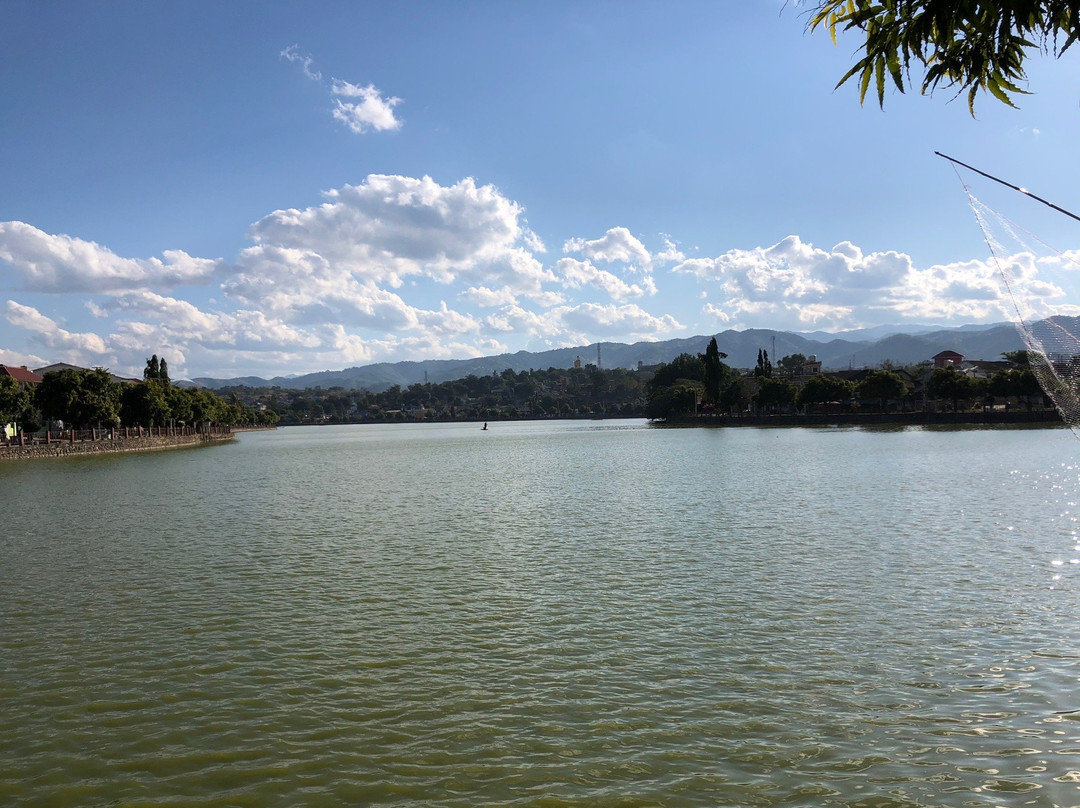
271	188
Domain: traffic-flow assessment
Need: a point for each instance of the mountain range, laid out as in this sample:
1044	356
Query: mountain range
849	349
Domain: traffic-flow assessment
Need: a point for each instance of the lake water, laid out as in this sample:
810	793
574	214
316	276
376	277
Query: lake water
575	613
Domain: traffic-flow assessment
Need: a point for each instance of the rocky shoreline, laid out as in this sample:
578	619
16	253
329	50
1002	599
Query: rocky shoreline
106	445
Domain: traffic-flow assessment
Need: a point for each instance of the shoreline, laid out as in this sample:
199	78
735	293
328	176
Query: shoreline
1046	418
120	445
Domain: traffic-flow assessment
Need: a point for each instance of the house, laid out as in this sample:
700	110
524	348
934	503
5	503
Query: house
59	366
947	359
20	374
811	367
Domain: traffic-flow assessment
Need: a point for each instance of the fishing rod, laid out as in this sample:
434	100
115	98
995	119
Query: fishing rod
1024	191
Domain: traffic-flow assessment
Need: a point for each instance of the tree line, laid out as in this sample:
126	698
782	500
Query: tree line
550	393
704	384
91	398
689	384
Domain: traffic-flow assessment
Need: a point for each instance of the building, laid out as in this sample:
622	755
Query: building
947	359
59	366
20	374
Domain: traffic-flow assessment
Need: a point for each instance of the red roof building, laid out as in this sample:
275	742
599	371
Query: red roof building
20	374
948	359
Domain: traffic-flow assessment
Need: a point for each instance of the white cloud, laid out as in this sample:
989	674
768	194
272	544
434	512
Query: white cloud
59	263
793	284
390	228
617	244
716	313
516	320
364	108
626	320
371	111
576	274
488	298
292	53
22	360
671	252
49	333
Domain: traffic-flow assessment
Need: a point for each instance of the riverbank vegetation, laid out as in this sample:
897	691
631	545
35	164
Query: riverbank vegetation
704	385
78	398
690	385
586	391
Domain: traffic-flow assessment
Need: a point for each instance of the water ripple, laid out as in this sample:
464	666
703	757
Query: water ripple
552	616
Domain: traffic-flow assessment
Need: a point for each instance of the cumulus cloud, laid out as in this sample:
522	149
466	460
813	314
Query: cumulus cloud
364	107
390	227
617	247
398	267
583	323
795	284
617	244
627	320
488	298
49	333
59	263
576	274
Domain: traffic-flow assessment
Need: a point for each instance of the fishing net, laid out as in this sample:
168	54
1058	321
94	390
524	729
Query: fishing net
1035	277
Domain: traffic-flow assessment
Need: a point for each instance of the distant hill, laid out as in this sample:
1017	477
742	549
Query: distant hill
834	351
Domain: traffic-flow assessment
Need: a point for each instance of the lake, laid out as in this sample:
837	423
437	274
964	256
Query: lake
567	613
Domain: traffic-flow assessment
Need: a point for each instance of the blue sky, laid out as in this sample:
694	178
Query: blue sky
266	188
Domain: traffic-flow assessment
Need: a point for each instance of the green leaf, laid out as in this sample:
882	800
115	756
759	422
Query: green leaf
995	90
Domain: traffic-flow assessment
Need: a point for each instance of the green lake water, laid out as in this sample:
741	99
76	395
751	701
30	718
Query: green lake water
573	613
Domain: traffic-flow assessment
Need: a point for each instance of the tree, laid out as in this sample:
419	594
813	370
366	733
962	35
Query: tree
15	400
80	397
971	45
764	366
774	393
949	383
882	385
678	399
713	372
101	398
792	363
1019	358
156	370
145	404
1021	383
683	366
822	389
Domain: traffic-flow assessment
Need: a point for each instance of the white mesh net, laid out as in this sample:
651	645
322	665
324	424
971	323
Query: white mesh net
1039	281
